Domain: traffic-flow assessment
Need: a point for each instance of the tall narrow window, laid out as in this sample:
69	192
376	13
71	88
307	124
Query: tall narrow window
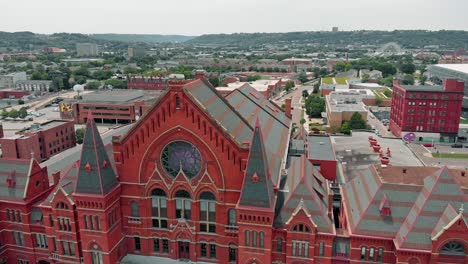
262	240
213	251
232	217
254	238
137	243
363	253
321	249
380	255
159	208
97	258
203	252
232	254
371	253
165	243
279	245
177	102
247	238
156	247
183	206
134	207
207	212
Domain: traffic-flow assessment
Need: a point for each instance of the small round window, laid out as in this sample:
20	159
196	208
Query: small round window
181	155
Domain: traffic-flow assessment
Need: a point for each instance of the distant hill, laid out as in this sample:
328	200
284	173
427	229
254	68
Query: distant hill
406	38
24	41
148	38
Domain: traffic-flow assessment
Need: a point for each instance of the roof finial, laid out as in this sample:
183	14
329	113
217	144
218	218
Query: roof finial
32	154
461	209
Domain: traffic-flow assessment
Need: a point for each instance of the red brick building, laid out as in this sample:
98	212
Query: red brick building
207	178
110	106
41	140
432	112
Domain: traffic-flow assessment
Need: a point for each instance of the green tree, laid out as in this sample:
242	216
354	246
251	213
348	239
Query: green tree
13	113
408	68
408	79
378	101
93	85
118	84
303	77
423	79
102	75
365	78
22	113
83	71
253	78
214	81
20	102
345	128
305	93
289	85
387	93
357	122
5	113
79	134
315	105
302	121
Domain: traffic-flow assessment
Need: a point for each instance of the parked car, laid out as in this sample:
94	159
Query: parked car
457	145
428	145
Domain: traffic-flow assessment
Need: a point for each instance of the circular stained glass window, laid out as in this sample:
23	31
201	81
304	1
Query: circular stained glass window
181	155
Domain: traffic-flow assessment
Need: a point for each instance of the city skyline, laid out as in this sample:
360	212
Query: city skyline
212	17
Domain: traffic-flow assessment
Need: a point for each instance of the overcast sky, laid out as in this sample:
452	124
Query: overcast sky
196	17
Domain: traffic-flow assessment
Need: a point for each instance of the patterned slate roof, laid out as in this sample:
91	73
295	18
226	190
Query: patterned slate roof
257	189
220	110
18	171
363	196
439	190
95	175
446	217
418	208
252	105
307	188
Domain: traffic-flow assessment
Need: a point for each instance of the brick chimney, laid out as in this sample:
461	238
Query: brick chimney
199	74
287	107
56	177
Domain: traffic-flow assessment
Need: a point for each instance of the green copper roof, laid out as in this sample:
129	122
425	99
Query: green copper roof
95	175
257	190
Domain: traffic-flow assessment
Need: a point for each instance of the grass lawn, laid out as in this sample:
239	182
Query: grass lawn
341	80
380	93
463	121
327	80
450	155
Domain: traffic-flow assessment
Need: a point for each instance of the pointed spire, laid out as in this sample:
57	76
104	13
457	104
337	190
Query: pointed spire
257	189
95	176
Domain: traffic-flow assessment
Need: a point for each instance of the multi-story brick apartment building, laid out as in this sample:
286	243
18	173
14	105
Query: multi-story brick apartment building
41	140
431	112
209	179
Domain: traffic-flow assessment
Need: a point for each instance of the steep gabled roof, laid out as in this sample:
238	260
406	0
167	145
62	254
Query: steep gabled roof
95	175
220	111
446	220
439	190
307	189
366	194
18	172
252	105
257	189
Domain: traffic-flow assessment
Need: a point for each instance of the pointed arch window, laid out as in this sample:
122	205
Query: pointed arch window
207	212
183	205
159	208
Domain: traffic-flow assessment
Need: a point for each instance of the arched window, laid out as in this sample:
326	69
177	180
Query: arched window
363	253
159	208
453	248
262	240
301	228
183	205
232	217
134	208
254	238
371	253
247	238
61	205
97	257
207	212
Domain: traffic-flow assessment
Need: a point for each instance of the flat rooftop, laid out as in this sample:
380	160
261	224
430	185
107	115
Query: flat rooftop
463	68
320	148
423	88
120	96
44	126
